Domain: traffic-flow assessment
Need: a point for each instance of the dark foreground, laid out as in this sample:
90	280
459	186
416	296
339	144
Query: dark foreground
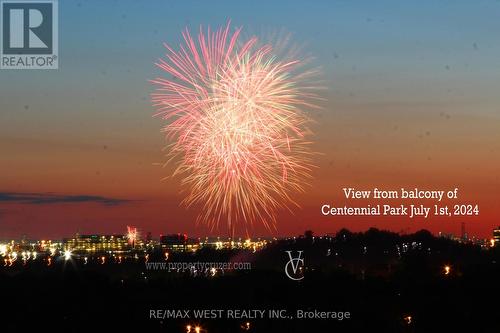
387	283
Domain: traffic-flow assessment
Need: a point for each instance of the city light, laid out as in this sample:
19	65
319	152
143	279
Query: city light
189	329
67	255
3	249
447	270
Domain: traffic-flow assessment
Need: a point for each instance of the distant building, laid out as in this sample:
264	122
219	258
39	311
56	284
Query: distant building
96	243
179	243
230	243
496	236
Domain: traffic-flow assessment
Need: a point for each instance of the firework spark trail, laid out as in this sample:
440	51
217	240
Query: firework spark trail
236	124
132	235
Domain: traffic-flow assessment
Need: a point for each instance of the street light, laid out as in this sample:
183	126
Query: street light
67	255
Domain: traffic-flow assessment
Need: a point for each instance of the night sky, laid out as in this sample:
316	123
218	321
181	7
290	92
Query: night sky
411	100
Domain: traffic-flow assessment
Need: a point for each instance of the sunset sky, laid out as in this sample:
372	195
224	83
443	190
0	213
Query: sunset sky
411	100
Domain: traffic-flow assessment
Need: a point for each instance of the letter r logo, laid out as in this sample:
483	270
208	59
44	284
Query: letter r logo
35	20
27	27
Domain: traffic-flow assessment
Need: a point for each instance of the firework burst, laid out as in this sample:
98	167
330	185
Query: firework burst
236	126
132	235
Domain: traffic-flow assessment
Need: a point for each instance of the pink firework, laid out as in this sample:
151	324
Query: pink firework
132	235
236	126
